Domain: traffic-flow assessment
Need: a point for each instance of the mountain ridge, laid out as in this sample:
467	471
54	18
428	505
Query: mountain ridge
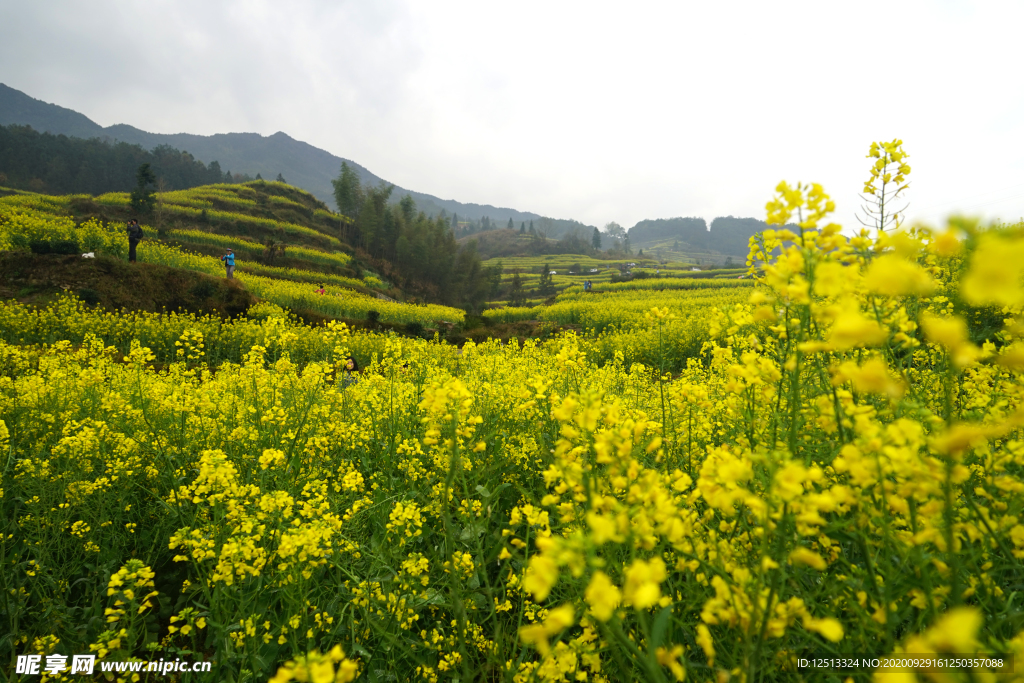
303	164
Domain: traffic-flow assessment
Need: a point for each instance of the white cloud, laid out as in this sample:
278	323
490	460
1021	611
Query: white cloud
596	111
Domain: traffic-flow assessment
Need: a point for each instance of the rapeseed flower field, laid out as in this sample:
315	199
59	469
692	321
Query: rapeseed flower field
834	467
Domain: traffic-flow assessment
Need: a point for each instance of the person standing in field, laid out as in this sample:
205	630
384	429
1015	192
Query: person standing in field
351	372
135	236
229	263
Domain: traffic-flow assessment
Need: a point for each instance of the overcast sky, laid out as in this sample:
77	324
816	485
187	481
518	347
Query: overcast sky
588	110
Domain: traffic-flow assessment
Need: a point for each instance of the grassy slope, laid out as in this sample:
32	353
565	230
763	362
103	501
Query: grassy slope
247	216
252	212
116	284
206	219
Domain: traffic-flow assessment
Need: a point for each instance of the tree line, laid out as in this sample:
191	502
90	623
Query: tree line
57	164
422	249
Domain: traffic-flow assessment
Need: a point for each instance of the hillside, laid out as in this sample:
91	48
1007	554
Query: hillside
727	236
287	246
507	242
692	232
300	163
116	284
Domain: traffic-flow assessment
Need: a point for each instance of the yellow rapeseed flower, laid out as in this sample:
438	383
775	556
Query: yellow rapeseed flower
995	273
893	275
643	583
603	596
558	619
852	329
806	556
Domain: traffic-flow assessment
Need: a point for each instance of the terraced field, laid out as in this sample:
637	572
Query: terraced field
194	224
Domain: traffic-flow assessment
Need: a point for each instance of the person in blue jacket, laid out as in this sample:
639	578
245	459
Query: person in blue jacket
229	264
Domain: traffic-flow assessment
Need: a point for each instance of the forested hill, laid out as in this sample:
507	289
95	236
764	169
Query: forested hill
300	163
57	164
732	235
727	235
691	231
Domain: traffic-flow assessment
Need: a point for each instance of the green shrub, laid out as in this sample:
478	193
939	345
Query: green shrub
53	247
89	296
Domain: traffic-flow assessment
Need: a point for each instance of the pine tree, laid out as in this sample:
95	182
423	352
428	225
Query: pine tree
516	295
596	240
259	177
494	278
546	286
522	228
511	225
143	197
280	179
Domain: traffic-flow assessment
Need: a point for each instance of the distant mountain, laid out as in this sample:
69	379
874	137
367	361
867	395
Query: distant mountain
693	232
727	235
17	107
302	164
732	235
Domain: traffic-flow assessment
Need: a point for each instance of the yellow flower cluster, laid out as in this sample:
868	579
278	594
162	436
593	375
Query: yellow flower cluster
20	228
318	668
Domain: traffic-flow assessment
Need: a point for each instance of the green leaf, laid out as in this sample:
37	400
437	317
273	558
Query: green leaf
660	626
